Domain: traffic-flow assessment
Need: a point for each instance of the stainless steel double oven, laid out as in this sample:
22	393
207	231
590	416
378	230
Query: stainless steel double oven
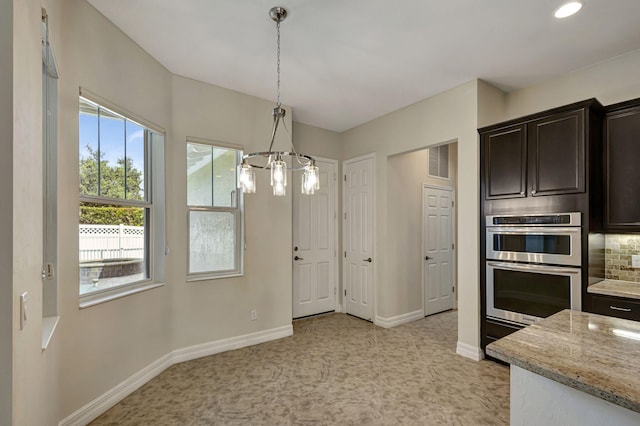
533	265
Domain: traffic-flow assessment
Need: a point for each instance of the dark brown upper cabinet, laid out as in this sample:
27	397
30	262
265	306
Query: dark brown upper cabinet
538	155
506	162
622	166
556	154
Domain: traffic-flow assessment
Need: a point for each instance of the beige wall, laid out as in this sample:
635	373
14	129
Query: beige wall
35	373
449	116
610	81
6	211
406	174
205	311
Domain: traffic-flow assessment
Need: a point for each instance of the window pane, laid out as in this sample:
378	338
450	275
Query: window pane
111	155
113	247
88	148
224	177
199	174
135	161
433	161
212	241
444	161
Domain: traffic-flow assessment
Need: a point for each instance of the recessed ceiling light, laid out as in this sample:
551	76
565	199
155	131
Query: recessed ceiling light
568	9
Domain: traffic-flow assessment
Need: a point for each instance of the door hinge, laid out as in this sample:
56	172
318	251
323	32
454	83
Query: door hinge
345	254
345	178
452	203
453	246
453	289
345	291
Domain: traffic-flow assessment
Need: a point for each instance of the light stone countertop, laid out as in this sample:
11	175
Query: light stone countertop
616	288
592	353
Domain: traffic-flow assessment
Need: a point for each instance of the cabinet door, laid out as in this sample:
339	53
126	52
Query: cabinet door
622	169
557	154
505	162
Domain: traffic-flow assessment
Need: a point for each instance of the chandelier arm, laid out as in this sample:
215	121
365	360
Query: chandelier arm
276	120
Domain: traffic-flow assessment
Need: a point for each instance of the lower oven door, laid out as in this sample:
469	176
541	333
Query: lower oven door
524	293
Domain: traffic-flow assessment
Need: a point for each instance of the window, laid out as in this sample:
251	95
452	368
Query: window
121	230
439	161
215	210
49	185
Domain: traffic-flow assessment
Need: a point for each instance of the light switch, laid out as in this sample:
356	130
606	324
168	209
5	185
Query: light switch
635	261
23	309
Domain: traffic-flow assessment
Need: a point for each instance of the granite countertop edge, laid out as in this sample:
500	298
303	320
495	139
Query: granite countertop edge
565	380
616	288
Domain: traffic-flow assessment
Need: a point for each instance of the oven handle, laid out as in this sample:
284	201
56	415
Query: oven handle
532	230
540	268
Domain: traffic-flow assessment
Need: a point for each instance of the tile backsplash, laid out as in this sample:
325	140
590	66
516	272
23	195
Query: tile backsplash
617	257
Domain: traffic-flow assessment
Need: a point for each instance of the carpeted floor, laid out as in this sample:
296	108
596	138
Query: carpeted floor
335	369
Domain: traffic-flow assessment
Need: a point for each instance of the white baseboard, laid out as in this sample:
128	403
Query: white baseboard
101	404
398	319
211	348
95	408
469	351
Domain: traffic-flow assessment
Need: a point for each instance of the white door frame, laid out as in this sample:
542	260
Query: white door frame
336	229
454	223
343	307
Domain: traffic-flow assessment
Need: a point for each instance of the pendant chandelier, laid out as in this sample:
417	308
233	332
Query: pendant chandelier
275	161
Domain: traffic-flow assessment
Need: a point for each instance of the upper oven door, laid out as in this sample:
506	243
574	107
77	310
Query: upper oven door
559	246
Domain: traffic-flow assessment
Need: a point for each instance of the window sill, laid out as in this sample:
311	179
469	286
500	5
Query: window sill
196	278
49	325
88	300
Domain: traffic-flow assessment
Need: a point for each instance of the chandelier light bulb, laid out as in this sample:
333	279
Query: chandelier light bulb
310	180
246	179
279	177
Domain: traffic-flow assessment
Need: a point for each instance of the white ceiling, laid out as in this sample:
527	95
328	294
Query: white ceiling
346	62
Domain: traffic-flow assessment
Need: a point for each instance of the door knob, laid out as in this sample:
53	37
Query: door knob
298	258
368	260
428	258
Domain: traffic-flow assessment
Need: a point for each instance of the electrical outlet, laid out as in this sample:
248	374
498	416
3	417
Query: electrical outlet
254	315
635	261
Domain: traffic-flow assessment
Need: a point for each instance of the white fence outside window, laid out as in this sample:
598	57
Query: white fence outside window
99	242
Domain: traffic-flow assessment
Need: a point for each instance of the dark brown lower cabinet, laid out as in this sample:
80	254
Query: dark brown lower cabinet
616	307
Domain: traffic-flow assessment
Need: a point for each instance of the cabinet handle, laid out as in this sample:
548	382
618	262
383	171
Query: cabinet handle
521	192
533	191
615	308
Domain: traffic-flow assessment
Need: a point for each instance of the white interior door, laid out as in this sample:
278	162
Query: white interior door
358	236
437	252
314	244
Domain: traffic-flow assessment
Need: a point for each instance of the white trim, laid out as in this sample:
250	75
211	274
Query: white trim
469	351
237	342
101	404
399	319
372	156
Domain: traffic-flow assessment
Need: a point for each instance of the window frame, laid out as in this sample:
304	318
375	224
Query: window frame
153	203
238	212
